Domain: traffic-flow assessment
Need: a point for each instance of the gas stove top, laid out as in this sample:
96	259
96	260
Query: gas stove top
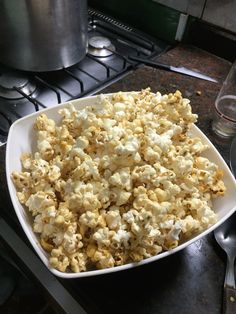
110	45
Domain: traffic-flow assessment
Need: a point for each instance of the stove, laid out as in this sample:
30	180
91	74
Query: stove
110	45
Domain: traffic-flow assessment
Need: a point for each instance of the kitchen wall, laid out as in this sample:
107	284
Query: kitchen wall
221	13
208	24
151	17
192	7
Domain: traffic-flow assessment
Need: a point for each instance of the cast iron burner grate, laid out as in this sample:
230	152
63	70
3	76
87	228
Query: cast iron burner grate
107	60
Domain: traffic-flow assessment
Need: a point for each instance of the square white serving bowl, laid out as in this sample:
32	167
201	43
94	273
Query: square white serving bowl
22	138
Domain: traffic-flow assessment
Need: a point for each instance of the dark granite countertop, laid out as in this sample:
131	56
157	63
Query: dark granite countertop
189	281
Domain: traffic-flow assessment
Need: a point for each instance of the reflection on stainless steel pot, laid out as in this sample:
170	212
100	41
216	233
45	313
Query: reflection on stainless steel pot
42	35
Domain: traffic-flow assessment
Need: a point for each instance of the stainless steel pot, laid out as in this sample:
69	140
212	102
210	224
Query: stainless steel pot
42	35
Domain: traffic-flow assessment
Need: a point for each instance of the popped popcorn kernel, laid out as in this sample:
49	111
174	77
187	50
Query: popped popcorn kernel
117	182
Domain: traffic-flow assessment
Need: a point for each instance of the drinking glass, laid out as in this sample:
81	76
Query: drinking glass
224	120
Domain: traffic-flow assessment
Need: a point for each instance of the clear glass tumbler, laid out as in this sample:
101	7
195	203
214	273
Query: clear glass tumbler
224	120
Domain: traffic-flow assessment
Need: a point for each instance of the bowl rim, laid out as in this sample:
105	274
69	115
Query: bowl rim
37	246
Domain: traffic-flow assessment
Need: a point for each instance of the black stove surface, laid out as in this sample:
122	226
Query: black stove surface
22	93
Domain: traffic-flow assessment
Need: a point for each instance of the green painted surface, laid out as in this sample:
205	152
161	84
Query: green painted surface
146	15
187	32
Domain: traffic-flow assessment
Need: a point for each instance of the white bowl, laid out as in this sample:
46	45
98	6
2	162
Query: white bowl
22	138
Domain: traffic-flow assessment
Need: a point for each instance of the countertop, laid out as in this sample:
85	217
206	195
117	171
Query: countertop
190	281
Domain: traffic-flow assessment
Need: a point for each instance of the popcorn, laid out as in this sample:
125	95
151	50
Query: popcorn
58	259
113	218
89	219
118	181
71	242
78	262
121	238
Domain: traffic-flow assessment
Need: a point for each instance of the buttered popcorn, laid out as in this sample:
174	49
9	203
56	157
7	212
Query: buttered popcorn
119	181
